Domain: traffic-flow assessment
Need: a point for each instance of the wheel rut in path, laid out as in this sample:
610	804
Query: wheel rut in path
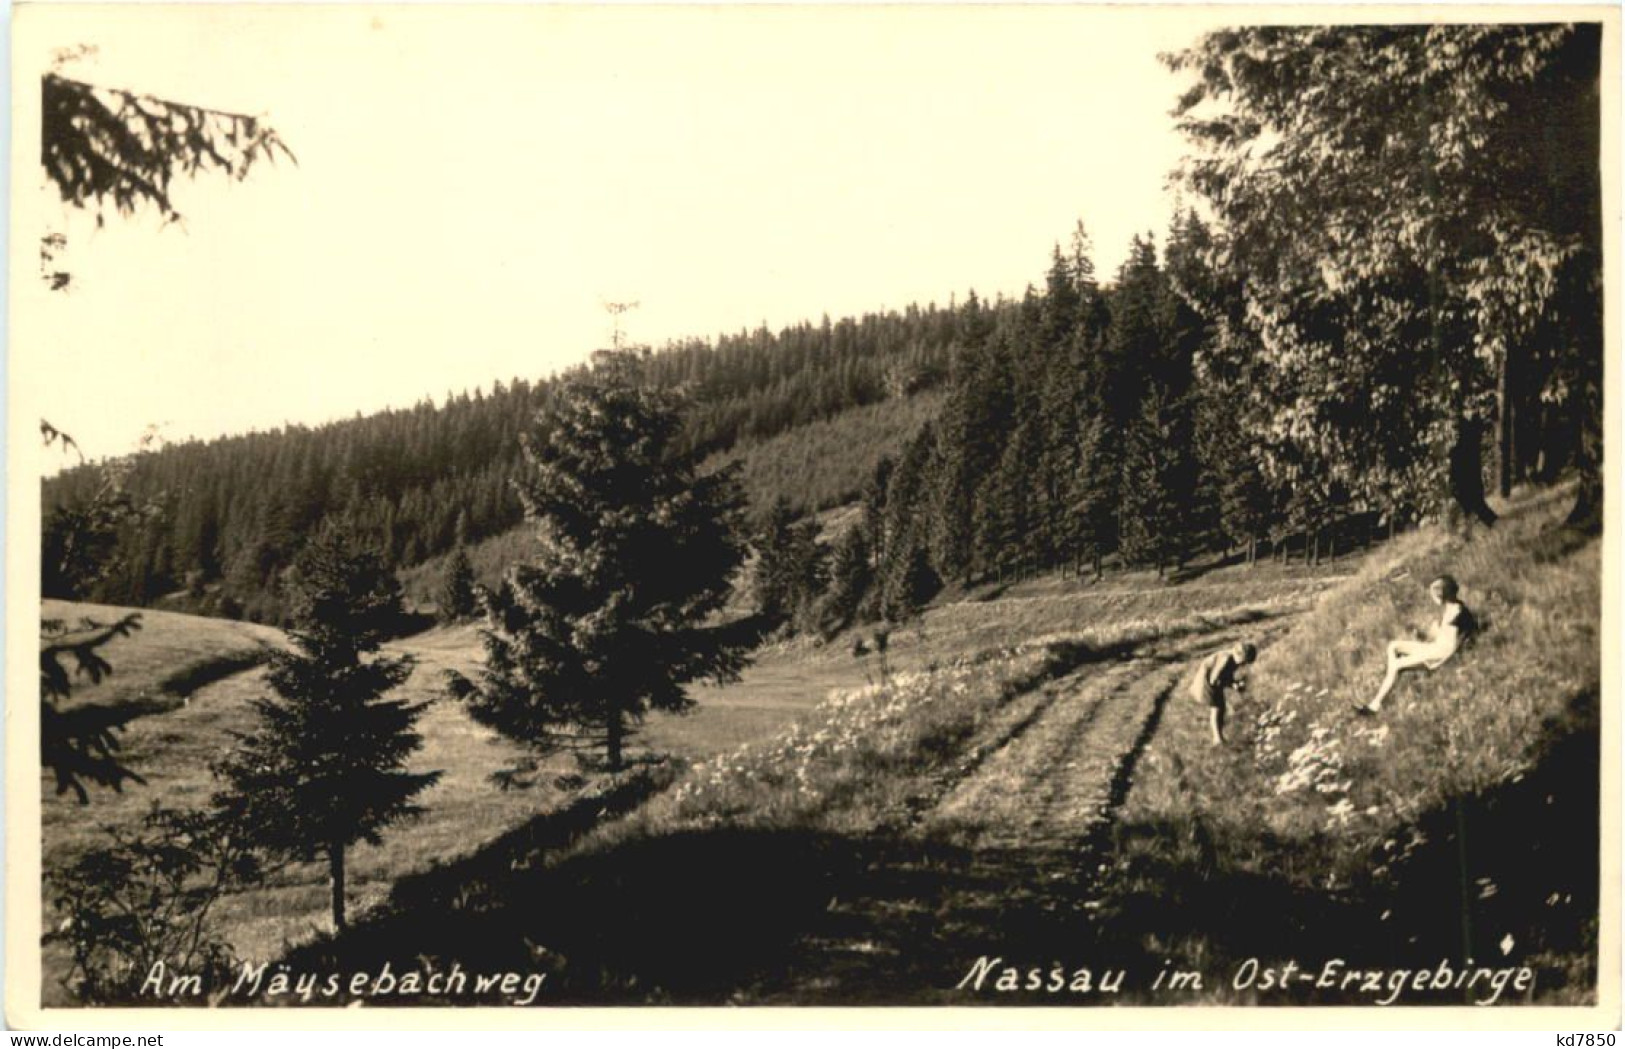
1055	782
1005	861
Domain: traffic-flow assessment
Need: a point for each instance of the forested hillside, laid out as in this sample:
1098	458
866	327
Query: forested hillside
223	518
1372	360
1232	390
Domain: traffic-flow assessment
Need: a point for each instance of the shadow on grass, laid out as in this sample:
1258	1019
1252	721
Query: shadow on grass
729	915
182	683
759	916
1193	570
1556	544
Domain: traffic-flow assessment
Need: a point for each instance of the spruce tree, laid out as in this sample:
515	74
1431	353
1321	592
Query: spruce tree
907	578
325	765
458	600
851	578
609	621
1155	497
873	521
1092	531
776	574
1062	400
1005	539
971	430
1137	337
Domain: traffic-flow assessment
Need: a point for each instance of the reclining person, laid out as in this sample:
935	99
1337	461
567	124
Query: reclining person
1454	626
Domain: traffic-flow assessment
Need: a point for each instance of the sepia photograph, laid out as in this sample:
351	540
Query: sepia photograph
1004	507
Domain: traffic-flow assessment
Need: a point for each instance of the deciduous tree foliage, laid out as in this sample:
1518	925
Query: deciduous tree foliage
611	621
325	766
1408	222
145	898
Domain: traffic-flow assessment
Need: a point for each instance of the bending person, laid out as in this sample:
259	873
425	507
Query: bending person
1217	673
1454	626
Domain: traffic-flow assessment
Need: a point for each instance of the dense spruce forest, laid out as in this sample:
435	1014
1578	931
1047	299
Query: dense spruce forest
220	520
1255	380
1084	421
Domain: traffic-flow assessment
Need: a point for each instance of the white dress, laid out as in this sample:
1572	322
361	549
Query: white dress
1446	640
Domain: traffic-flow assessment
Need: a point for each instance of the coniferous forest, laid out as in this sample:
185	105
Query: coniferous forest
1223	390
224	518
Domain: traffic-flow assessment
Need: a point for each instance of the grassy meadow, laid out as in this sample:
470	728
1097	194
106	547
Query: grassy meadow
788	866
1019	774
169	657
174	752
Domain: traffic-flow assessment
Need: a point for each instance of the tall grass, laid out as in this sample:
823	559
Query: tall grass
1474	723
1420	822
169	657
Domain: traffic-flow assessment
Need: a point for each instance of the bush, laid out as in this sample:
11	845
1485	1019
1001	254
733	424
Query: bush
144	901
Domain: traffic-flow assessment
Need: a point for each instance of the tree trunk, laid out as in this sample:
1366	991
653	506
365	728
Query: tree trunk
1549	439
1588	451
1467	471
1507	428
615	731
335	867
1587	512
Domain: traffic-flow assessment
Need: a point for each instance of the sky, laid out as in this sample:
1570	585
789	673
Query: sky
474	185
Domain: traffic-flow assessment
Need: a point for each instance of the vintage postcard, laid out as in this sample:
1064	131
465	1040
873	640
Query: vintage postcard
1018	509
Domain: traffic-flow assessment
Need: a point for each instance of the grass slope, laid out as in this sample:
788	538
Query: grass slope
1022	777
826	463
1460	824
168	658
835	861
174	751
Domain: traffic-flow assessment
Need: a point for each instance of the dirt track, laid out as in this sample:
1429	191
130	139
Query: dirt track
1006	852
